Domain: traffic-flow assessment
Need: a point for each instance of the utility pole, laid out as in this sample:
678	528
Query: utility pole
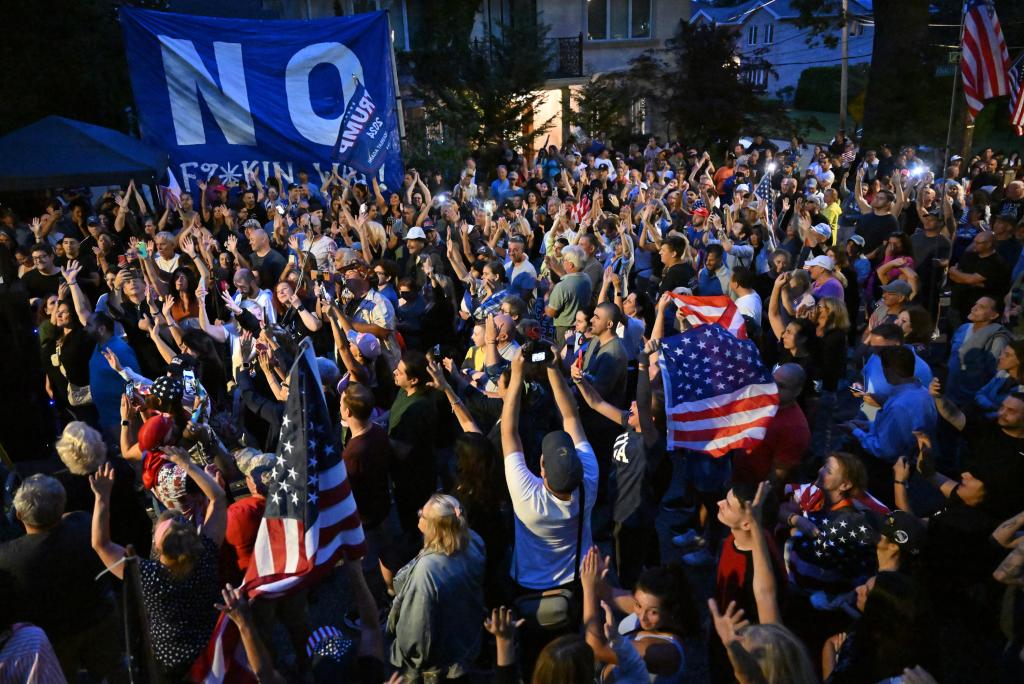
843	78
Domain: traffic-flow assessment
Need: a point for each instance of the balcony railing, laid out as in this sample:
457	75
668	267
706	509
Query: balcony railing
566	55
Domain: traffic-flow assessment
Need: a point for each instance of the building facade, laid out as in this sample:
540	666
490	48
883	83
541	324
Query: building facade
774	51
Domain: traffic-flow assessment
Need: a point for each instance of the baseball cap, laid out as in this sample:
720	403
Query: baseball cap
168	387
857	239
563	469
154	431
368	344
415	233
92	221
822	229
901	528
248	459
900	287
742	187
181	363
823	260
701	211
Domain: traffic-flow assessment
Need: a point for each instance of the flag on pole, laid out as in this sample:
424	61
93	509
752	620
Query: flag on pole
1017	95
310	522
171	193
984	60
766	193
363	136
717	309
718	395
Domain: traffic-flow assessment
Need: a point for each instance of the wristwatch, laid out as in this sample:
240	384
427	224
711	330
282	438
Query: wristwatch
125	423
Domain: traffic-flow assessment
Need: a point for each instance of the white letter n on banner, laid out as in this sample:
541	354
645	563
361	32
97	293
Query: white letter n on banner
187	78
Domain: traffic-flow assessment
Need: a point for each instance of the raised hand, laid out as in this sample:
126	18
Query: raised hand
728	624
235	605
188	246
501	624
112	360
102	482
71	271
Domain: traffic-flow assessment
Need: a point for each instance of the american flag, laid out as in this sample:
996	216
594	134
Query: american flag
310	521
766	193
581	208
984	60
718	395
811	498
171	193
1017	95
718	309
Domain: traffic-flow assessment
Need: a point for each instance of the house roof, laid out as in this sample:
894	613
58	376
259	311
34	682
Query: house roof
779	9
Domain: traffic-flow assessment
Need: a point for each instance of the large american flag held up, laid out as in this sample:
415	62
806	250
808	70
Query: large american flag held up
310	522
718	395
1017	95
984	60
717	309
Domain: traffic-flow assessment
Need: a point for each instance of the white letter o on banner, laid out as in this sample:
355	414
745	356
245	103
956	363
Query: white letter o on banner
308	123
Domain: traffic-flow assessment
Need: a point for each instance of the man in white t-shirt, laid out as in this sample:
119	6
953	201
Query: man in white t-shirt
748	302
548	508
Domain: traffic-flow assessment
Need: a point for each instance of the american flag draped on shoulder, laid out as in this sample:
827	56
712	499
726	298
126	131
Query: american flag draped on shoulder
718	309
1017	95
718	396
310	522
984	60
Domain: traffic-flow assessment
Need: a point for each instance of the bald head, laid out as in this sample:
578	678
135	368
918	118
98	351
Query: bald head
790	378
1015	190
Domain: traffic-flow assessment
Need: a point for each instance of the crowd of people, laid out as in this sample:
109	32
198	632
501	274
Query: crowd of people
488	346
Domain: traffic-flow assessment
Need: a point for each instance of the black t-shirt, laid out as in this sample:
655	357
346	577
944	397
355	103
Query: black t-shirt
129	523
876	229
41	285
629	482
990	448
270	266
679	275
52	575
996	285
367	459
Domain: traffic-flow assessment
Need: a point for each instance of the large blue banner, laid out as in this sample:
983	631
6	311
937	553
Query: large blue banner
231	97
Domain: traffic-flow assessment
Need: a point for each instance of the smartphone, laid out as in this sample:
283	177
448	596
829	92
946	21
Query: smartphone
223	285
143	252
122	261
436	351
280	210
190	381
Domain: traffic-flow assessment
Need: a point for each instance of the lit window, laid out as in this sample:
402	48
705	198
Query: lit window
618	19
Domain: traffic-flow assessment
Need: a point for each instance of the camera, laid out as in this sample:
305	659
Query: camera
537	352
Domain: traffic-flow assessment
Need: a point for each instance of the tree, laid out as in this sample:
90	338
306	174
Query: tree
481	92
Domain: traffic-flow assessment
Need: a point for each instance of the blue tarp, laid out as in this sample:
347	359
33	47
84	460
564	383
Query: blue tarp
57	152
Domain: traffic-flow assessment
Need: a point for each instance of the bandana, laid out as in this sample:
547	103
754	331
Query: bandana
170	485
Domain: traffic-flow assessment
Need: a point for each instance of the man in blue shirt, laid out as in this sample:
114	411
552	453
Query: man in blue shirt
908	409
714	278
876	388
500	187
106	385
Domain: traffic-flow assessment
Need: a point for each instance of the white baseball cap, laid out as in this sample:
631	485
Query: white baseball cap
415	233
823	261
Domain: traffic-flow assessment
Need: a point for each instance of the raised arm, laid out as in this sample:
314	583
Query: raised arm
946	408
111	554
215	522
511	443
775	316
858	192
596	401
764	587
462	414
82	307
566	404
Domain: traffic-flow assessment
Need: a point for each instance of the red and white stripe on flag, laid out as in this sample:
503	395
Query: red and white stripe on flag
1017	95
984	59
717	309
718	425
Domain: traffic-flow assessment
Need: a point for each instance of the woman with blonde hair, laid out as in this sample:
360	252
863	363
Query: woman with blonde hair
438	594
82	451
765	654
